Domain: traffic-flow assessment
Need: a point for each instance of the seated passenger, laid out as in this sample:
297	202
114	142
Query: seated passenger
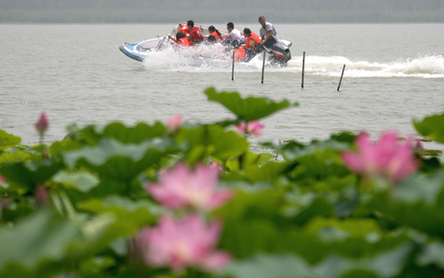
185	30
239	53
180	39
195	34
215	33
233	34
252	39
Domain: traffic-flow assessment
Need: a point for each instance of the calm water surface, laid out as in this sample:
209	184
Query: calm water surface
76	74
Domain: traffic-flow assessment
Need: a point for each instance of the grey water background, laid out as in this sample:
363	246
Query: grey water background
76	74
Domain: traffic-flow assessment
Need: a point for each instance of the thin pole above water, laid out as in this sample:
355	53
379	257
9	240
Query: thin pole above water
303	69
232	67
263	68
340	80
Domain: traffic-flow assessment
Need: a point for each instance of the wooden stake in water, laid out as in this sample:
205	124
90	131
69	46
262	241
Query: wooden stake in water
340	80
232	67
303	69
263	68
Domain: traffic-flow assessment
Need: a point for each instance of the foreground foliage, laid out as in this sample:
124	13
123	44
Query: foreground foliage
193	200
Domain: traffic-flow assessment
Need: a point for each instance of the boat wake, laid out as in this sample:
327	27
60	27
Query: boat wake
431	66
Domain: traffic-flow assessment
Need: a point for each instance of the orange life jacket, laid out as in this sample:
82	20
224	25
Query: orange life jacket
186	31
184	42
215	35
239	53
253	37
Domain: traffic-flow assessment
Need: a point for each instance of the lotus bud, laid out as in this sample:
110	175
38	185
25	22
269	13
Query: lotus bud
42	124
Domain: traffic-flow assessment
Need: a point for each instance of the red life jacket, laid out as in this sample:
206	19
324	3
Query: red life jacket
196	35
253	37
215	35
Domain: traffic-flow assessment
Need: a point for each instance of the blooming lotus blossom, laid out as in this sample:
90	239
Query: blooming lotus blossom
387	158
182	243
42	124
253	128
184	187
174	123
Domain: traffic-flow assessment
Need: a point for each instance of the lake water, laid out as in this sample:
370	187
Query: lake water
76	74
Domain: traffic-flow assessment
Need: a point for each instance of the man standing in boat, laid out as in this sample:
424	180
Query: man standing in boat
196	35
268	33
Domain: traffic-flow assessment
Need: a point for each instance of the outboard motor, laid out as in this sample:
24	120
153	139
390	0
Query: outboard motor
281	53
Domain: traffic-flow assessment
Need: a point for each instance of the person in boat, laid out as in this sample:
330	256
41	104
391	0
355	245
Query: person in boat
239	53
181	39
251	41
234	35
195	34
185	30
215	33
268	33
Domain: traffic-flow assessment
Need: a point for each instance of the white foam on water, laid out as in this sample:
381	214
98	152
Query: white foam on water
430	66
212	58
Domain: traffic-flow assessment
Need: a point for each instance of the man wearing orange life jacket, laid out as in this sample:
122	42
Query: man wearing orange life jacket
251	40
185	30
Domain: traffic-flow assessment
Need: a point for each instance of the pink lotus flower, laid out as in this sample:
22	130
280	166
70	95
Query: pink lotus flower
184	187
182	243
387	158
174	123
216	166
253	128
42	124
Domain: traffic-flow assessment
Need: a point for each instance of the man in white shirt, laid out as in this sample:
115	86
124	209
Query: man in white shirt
233	34
268	33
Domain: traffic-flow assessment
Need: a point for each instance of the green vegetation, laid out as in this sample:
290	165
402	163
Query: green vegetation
291	11
77	207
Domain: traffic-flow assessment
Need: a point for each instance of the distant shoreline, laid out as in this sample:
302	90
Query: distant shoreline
115	16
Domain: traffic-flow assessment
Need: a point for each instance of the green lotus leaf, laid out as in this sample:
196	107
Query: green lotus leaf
14	156
119	161
268	266
247	109
82	181
135	134
418	202
270	171
213	140
29	174
8	140
432	127
385	264
134	213
41	237
433	254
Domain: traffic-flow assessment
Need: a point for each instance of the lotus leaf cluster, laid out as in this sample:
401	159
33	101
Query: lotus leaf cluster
187	199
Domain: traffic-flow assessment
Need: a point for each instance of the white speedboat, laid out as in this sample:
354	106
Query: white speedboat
140	50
